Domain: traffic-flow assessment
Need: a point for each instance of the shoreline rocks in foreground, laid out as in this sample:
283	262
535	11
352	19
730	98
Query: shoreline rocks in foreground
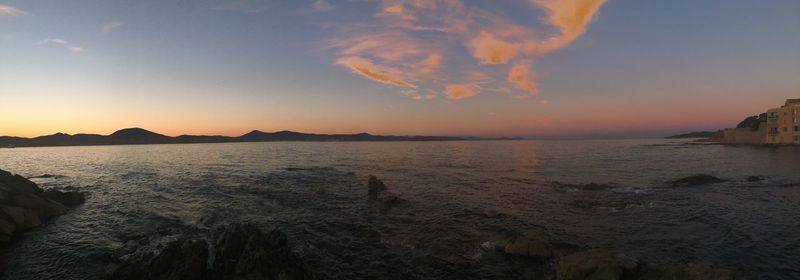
237	251
23	204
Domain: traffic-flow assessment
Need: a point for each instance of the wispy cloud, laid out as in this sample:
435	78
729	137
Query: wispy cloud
419	43
108	27
64	44
380	74
321	6
10	11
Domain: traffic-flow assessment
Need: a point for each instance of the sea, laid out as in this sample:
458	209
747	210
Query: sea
461	198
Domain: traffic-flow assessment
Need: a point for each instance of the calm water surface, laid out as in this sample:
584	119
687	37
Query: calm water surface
460	195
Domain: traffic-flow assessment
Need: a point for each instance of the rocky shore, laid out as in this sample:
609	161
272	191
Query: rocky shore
244	251
23	204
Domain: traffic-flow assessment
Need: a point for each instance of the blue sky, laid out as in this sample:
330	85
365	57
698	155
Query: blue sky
226	67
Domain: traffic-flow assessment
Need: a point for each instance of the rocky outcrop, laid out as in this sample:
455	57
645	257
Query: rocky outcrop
375	185
238	251
695	180
597	264
67	198
380	198
23	204
180	259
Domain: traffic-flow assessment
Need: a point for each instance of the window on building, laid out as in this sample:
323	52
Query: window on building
796	128
797	138
785	129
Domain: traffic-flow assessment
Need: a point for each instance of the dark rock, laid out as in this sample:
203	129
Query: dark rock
597	264
705	271
591	204
696	180
23	204
242	251
585	187
375	185
15	184
65	198
179	259
754	178
532	245
7	229
43	207
22	218
388	200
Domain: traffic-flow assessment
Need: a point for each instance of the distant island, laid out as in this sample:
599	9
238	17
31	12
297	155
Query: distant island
134	136
696	134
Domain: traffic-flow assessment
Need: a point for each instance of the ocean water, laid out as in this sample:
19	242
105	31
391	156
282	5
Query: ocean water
461	196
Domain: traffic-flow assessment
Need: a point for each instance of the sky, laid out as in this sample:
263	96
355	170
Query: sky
531	68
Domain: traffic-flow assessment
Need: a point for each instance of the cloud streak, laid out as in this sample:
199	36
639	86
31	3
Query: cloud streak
64	44
420	44
10	11
112	25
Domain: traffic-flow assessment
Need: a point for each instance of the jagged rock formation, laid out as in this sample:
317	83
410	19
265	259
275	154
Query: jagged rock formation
23	204
237	251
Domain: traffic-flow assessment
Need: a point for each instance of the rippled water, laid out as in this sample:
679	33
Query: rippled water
460	195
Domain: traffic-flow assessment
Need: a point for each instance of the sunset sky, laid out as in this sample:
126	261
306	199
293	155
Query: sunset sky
539	68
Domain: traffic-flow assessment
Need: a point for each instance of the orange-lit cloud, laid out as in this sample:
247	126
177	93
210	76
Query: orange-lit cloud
490	50
460	91
10	11
407	42
571	17
369	70
523	77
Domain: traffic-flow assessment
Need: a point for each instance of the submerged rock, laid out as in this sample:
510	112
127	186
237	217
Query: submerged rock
383	200
375	185
754	178
388	200
23	204
537	246
585	187
65	198
696	180
596	264
238	251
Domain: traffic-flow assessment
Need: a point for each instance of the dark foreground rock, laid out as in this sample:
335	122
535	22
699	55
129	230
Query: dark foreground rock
238	251
597	264
695	180
23	204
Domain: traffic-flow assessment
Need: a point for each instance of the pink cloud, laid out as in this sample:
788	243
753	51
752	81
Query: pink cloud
369	70
460	91
523	77
407	42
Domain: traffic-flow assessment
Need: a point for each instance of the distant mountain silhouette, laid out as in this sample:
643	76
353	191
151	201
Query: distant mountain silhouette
142	136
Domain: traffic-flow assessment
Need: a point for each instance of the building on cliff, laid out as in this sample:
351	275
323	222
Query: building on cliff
783	122
778	126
